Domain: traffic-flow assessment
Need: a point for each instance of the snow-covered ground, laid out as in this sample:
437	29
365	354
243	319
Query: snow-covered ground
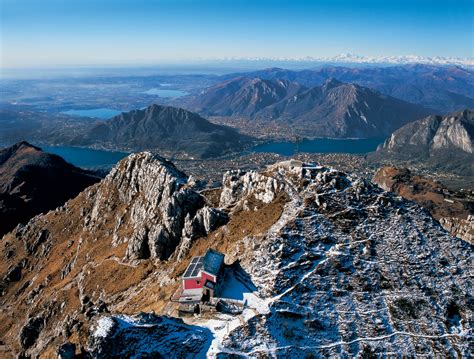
148	335
348	269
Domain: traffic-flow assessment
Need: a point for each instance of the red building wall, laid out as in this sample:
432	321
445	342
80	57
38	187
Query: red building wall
207	276
195	283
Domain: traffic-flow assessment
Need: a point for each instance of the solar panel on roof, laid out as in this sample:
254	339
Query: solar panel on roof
188	272
194	267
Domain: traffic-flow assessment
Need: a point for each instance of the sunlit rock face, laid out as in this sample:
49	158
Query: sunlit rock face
156	202
455	131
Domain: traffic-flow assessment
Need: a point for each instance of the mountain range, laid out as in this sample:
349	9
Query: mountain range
444	89
33	182
334	109
351	58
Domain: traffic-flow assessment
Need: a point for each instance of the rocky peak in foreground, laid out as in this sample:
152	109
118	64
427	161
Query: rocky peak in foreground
67	265
330	265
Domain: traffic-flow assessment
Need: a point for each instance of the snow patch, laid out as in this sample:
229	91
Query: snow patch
104	326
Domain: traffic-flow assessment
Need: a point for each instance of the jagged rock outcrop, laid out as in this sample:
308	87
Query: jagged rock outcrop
108	246
460	227
238	184
154	204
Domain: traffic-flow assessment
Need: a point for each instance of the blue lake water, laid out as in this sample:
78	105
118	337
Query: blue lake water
322	145
85	157
103	113
165	93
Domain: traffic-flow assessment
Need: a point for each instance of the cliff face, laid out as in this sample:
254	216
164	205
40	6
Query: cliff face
329	264
442	142
153	204
455	131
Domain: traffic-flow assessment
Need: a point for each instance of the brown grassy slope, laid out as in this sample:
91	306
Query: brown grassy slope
97	271
431	195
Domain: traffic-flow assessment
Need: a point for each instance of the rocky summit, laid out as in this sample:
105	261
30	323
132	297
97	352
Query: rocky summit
326	263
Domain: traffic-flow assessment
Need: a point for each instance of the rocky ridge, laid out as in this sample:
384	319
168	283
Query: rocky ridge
436	133
332	266
79	260
350	269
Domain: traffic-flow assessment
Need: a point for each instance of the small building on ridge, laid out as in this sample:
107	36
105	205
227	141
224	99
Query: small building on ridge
202	278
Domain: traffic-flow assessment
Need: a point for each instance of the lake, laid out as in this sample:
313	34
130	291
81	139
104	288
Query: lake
321	145
86	157
102	113
165	93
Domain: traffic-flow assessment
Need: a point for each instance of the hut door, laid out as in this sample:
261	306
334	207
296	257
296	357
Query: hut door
207	295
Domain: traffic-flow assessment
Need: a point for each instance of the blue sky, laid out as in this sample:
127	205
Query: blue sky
100	32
